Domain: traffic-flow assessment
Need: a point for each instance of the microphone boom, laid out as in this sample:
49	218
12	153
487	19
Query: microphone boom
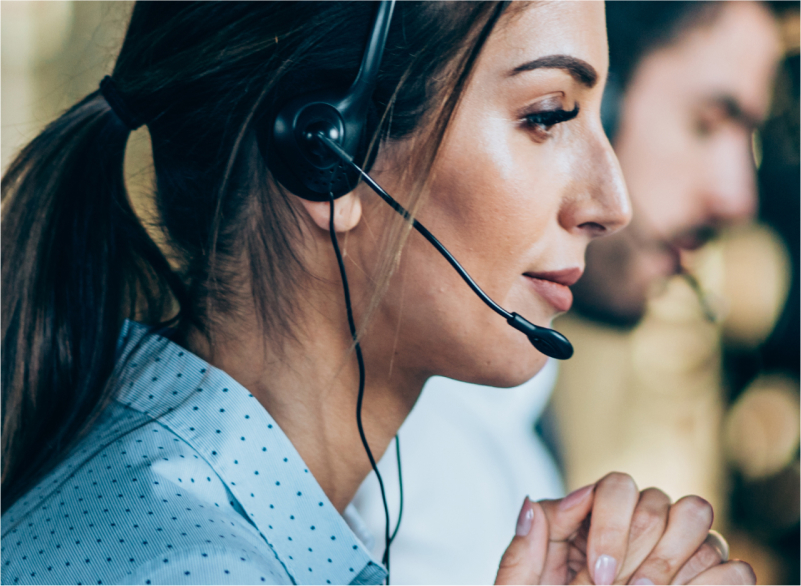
548	341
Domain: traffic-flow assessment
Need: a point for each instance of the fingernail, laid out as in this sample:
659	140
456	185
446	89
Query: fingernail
576	497
643	582
605	570
525	519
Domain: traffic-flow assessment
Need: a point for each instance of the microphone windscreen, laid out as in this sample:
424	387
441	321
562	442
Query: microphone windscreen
548	341
552	343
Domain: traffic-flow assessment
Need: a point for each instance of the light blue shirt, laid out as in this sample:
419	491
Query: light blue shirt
184	479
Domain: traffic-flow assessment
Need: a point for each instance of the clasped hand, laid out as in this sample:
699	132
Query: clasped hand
613	533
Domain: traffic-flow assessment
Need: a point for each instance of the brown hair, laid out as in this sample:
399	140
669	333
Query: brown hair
76	260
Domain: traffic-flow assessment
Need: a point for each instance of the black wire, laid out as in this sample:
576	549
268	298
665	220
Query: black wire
400	484
548	341
417	225
360	397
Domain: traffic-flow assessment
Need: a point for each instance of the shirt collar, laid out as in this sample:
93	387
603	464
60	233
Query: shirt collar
209	410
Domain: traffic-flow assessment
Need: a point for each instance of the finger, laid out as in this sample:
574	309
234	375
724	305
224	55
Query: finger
583	577
565	517
689	521
616	497
733	572
523	561
713	551
648	524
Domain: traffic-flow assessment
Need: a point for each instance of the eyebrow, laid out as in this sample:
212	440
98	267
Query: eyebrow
580	70
735	111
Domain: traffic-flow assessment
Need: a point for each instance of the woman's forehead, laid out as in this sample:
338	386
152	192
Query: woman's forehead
531	30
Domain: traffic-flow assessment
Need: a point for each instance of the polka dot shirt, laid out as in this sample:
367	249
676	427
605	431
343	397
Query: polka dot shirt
184	479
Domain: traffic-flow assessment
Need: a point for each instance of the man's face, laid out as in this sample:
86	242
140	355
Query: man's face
684	144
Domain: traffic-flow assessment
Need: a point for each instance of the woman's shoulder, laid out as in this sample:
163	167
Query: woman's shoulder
184	465
210	565
138	506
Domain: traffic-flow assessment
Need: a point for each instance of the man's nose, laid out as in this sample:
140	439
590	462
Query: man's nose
730	193
604	207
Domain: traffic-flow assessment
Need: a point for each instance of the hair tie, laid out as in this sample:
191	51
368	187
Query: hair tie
109	90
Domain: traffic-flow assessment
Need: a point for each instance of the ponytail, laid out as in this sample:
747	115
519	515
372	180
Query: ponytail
76	262
75	259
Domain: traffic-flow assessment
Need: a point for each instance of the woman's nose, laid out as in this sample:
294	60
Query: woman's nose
602	204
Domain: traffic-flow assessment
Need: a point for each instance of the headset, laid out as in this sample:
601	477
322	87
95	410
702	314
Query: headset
311	149
315	140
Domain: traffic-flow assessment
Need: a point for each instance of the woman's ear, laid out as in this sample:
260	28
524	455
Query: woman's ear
347	212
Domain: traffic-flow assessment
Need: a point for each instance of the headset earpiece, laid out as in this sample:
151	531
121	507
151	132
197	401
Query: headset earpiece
296	157
294	154
299	157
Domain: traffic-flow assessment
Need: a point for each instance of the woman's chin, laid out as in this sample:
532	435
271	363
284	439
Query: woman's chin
506	370
514	377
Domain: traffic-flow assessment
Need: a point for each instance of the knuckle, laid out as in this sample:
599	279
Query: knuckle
704	558
513	558
744	573
647	519
655	496
659	566
619	481
696	507
707	556
509	562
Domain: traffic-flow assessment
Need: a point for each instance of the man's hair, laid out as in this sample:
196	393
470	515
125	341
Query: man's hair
637	29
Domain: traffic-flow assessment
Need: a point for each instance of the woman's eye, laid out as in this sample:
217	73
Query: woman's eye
543	121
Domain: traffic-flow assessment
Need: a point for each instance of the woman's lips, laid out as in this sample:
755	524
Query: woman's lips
554	286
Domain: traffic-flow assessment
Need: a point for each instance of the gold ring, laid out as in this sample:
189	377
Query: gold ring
716	541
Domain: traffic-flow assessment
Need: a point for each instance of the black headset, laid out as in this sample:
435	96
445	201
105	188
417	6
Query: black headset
311	148
316	138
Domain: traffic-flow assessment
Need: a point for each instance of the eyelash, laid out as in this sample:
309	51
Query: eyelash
542	122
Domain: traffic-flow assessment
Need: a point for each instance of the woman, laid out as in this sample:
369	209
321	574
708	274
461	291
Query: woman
220	446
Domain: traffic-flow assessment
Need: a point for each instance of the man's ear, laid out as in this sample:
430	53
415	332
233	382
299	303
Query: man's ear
347	212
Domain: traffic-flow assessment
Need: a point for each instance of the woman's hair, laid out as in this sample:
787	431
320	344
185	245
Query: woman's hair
76	260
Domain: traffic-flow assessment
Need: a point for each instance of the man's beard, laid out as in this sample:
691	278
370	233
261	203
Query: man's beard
611	292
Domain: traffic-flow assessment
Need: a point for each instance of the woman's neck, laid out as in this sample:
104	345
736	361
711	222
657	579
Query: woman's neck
310	388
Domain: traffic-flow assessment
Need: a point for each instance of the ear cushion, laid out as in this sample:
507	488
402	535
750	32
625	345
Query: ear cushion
298	170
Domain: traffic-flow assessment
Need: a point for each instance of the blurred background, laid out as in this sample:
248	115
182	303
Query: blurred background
678	401
695	406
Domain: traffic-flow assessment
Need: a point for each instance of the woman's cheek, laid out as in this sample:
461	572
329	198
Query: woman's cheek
483	187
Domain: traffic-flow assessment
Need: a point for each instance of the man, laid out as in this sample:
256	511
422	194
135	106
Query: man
683	104
681	128
691	82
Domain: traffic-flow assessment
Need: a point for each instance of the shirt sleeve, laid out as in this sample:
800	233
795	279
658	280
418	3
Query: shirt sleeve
206	565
